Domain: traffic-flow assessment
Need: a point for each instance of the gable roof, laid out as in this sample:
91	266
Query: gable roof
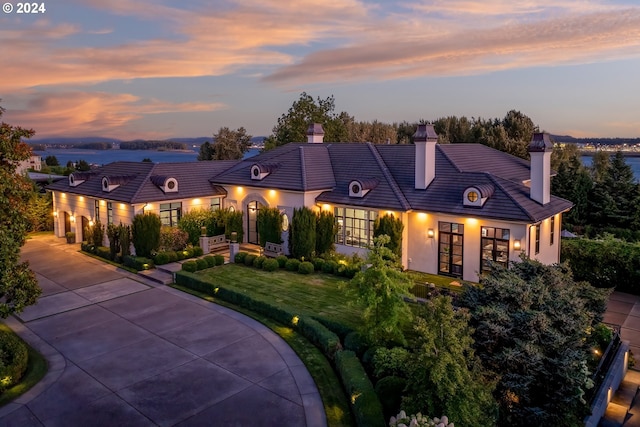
141	187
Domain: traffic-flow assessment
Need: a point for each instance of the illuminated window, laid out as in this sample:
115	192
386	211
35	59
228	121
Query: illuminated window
354	227
285	222
537	239
450	248
96	211
494	246
216	203
552	232
472	196
109	213
170	213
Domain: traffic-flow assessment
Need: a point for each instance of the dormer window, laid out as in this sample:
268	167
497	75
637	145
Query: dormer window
360	187
78	178
110	183
477	195
166	184
261	171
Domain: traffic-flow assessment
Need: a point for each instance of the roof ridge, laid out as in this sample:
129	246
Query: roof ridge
387	174
448	158
495	179
141	186
303	168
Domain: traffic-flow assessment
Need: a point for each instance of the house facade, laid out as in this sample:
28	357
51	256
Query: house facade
462	205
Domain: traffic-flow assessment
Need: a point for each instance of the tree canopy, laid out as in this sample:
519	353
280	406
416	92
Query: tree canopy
18	285
228	144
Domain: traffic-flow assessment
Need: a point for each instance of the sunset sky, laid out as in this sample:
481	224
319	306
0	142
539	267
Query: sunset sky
158	69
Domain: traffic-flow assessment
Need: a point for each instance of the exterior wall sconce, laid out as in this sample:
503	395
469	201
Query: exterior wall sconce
90	223
72	218
55	214
430	233
516	245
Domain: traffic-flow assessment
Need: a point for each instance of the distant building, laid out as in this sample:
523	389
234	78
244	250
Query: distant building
462	205
33	163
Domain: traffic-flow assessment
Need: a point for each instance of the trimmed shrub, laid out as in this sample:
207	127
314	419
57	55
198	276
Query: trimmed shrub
197	251
270	264
137	262
219	259
240	256
282	260
302	233
161	258
97	234
258	261
202	264
87	247
190	266
180	255
210	260
248	260
269	222
329	266
173	256
14	357
305	268
318	263
355	342
188	252
320	336
292	264
124	232
336	327
325	231
146	233
392	227
113	234
365	405
233	223
103	252
389	391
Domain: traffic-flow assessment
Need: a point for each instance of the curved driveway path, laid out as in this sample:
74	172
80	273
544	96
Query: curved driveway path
127	352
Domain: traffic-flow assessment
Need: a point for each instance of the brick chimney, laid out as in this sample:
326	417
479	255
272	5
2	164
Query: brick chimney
425	140
315	134
540	151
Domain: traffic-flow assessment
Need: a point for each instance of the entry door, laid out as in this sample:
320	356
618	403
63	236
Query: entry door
450	248
252	222
67	222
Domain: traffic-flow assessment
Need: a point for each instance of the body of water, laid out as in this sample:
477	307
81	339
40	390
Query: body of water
102	157
634	162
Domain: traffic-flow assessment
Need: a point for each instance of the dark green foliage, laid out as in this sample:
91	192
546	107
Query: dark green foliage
172	238
96	236
190	266
210	260
319	335
355	342
188	252
233	223
270	264
325	232
13	359
531	323
146	233
389	391
113	234
606	263
248	260
330	267
214	221
103	252
173	256
318	263
137	262
390	361
87	247
305	268
70	236
197	251
336	327
302	233
366	407
282	260
239	257
180	255
227	144
202	264
39	211
51	161
292	264
269	221
124	234
219	259
161	258
392	227
258	261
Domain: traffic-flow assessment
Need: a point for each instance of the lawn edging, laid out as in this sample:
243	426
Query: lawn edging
322	337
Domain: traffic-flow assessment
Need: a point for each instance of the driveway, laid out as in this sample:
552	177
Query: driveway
123	351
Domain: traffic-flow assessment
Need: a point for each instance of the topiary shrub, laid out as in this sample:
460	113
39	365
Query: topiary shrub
113	234
233	223
389	391
318	263
282	260
190	266
302	233
97	234
219	259
258	261
202	264
180	255
248	260
197	251
146	233
305	268
329	266
270	264
269	222
161	258
210	260
392	227
173	256
137	262
103	252
325	231
240	256
14	357
292	264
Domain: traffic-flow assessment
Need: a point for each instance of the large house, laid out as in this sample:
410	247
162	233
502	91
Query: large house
462	205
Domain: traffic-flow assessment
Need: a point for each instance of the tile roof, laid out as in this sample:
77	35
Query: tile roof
142	186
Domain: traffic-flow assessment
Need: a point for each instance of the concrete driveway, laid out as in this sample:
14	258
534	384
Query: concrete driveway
127	352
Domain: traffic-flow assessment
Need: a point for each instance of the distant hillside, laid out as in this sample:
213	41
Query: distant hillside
72	140
596	141
93	139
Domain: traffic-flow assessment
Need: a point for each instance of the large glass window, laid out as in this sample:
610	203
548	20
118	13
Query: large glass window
537	231
170	213
450	248
354	227
216	203
494	246
96	212
109	213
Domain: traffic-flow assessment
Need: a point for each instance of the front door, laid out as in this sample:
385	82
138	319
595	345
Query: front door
451	236
252	222
67	222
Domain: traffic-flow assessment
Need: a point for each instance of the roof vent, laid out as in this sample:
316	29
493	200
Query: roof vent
360	187
477	195
166	184
261	171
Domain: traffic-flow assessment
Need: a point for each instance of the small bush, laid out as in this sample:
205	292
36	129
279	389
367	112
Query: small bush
248	260
318	263
282	260
172	238
13	359
190	266
197	251
305	268
389	391
162	258
202	264
340	270
240	256
103	252
173	256
137	262
270	264
188	253
88	247
292	264
258	261
351	271
180	255
355	342
210	260
329	266
219	259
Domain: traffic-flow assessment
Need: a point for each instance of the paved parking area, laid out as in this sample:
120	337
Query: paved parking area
123	352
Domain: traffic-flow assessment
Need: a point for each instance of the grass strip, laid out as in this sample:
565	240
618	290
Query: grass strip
334	399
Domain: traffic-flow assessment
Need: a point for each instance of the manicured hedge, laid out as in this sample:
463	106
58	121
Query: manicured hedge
202	264
282	260
240	256
355	342
292	264
14	357
137	262
365	405
248	260
258	261
219	259
103	252
270	264
210	260
190	266
305	268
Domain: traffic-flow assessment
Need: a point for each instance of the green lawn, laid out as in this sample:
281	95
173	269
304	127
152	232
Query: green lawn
314	294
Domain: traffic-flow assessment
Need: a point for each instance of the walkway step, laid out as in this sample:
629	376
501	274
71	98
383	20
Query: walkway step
158	276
